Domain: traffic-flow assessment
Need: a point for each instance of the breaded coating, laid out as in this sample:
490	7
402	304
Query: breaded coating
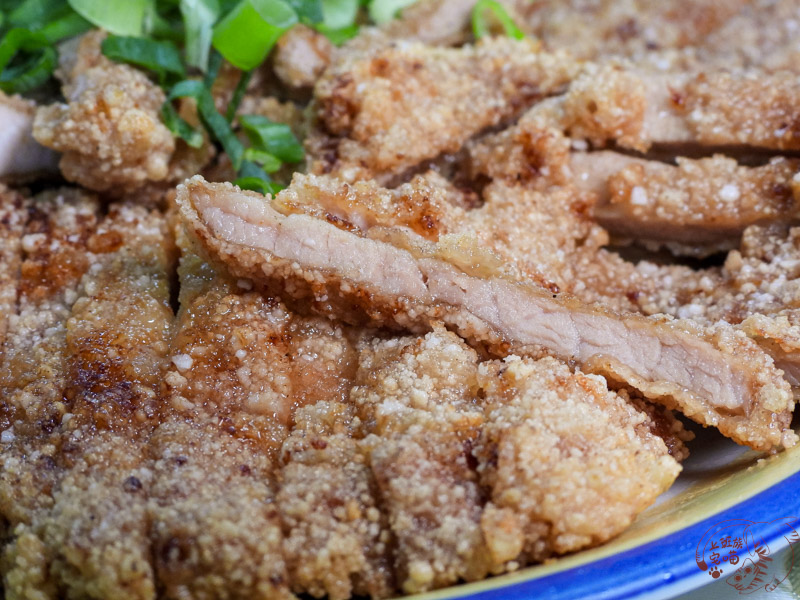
383	111
419	206
214	529
117	340
300	56
600	28
707	202
762	35
417	397
568	462
109	131
13	217
434	22
638	109
337	541
34	377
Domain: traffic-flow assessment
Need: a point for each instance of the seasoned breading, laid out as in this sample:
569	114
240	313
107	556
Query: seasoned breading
707	202
13	217
34	377
117	339
416	397
337	540
384	111
568	463
598	29
109	131
637	108
213	528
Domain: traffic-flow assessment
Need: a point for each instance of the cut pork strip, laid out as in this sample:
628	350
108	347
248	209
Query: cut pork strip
715	375
638	109
704	203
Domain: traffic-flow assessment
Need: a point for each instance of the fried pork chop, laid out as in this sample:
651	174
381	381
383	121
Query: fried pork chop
715	374
421	364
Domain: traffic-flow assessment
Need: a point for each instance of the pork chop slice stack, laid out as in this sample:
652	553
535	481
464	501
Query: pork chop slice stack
714	375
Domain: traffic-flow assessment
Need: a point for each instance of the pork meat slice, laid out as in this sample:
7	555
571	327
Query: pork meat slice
715	375
383	111
21	157
701	205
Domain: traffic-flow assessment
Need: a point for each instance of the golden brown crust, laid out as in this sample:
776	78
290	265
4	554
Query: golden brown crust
35	375
568	462
698	202
337	541
416	397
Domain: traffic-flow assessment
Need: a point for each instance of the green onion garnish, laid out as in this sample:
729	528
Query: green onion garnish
27	60
199	17
480	24
254	178
247	34
162	58
124	17
178	127
215	123
267	161
275	138
309	12
238	94
338	14
383	11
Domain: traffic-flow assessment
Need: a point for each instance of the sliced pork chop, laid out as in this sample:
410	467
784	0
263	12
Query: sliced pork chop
705	204
638	108
715	375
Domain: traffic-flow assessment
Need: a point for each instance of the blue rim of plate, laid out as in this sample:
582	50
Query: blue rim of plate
661	568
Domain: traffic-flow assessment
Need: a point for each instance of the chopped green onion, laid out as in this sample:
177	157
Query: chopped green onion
254	178
247	34
275	138
179	127
268	162
256	184
339	36
34	14
214	64
65	27
480	25
199	17
309	12
339	14
27	60
383	11
214	122
163	58
125	17
238	94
